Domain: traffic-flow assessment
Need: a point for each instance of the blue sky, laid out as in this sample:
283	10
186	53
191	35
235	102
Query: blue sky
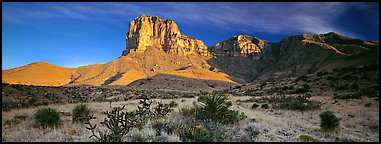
76	34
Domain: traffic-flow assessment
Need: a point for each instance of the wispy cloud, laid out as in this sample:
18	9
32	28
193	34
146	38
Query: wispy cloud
283	18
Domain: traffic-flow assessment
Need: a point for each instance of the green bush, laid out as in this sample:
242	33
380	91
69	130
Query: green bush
47	117
265	106
328	121
81	113
215	107
254	106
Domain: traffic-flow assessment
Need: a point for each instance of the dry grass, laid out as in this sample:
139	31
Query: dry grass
275	125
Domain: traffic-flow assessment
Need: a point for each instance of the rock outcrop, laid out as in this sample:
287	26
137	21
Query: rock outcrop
154	32
241	45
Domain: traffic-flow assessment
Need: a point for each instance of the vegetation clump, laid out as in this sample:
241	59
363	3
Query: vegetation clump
265	106
47	117
81	113
254	106
305	138
328	121
215	107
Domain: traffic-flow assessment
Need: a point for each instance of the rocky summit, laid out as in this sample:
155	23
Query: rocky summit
241	45
156	47
148	31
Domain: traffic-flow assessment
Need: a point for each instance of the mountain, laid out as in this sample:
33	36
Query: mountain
153	46
251	58
38	73
157	52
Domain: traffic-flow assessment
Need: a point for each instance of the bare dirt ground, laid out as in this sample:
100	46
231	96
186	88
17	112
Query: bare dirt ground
277	125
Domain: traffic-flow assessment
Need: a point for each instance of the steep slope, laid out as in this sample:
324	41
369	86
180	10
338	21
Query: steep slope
241	56
251	58
308	53
39	73
151	62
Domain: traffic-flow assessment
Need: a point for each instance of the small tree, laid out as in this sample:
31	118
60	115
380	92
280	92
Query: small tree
328	121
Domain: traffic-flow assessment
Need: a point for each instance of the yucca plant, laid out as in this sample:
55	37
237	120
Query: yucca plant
215	107
328	121
47	117
81	113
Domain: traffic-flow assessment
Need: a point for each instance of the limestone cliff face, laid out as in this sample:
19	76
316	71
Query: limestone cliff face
154	32
241	45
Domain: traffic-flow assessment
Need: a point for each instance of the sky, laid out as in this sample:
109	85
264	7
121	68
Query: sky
73	34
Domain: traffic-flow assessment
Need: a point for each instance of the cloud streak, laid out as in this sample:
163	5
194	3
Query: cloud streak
282	18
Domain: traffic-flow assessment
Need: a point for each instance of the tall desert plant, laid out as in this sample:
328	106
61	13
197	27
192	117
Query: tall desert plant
118	123
81	113
47	117
215	107
328	121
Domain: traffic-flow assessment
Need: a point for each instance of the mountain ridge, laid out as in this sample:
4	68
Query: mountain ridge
156	46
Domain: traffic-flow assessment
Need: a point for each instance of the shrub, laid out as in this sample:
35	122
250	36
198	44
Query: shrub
81	113
342	87
328	121
265	106
162	109
306	86
355	86
188	111
47	117
172	104
215	107
305	138
332	78
254	106
319	74
146	134
299	91
374	127
118	123
368	104
191	132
